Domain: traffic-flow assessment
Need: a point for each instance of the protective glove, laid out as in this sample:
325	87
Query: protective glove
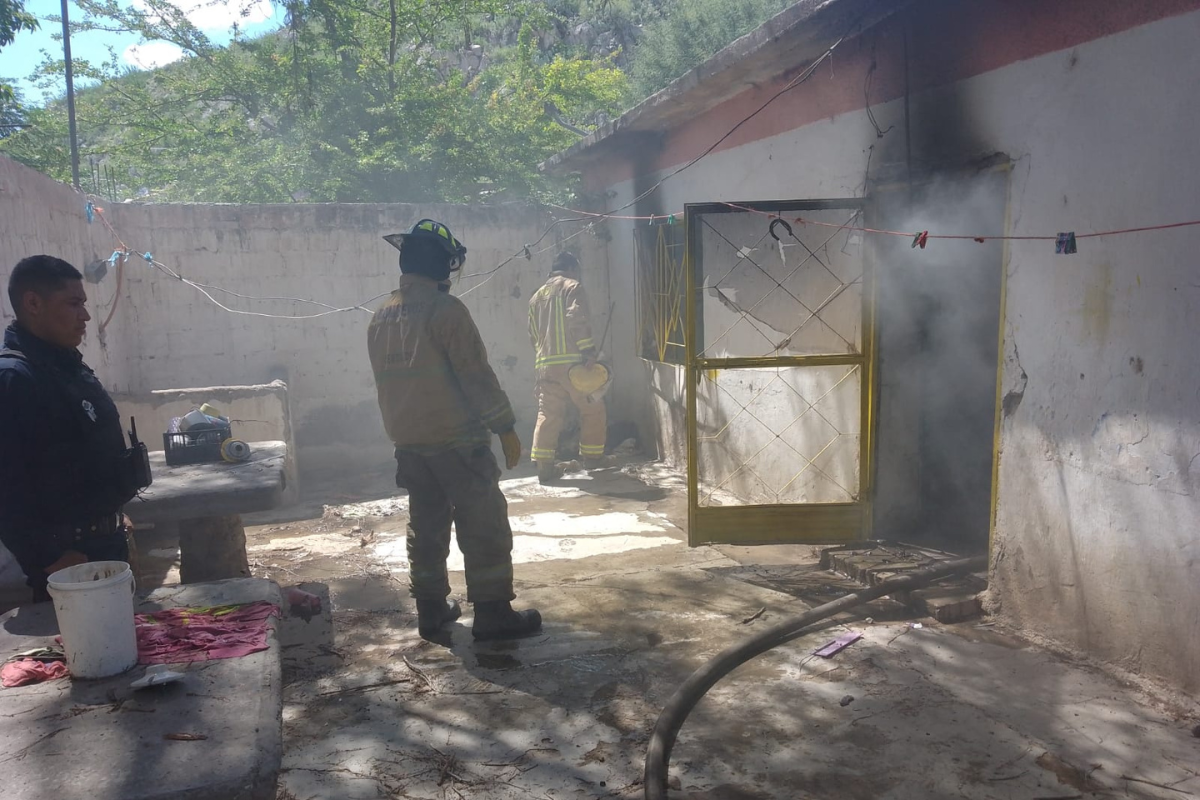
512	448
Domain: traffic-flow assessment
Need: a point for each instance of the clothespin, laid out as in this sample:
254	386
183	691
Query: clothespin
920	239
112	260
1064	245
981	239
651	223
149	257
90	211
671	220
528	253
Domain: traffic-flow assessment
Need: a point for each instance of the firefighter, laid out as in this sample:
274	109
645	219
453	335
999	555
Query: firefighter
441	402
561	332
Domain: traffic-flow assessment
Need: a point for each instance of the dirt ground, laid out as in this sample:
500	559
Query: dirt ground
910	711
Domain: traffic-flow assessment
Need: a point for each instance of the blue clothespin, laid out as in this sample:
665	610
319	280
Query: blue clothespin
112	260
90	210
149	257
671	220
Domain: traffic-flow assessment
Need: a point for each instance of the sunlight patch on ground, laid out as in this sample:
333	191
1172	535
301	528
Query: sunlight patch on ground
553	534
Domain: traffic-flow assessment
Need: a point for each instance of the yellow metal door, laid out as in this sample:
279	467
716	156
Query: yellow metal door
780	373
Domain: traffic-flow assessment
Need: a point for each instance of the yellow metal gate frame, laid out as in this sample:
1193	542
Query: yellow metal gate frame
776	523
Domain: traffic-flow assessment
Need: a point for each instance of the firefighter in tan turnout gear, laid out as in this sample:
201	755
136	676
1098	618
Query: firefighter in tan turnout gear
561	331
441	403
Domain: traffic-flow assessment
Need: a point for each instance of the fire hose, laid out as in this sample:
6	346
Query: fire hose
662	740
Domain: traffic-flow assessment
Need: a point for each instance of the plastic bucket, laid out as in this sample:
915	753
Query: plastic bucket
94	606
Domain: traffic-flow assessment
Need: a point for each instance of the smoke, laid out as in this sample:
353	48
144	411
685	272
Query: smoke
938	318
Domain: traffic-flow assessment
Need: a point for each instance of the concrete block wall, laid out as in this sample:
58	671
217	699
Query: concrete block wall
333	254
168	334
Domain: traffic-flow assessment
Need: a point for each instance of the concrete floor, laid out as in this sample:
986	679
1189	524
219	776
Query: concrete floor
371	710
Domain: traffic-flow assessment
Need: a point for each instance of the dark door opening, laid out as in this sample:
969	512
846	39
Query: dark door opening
938	325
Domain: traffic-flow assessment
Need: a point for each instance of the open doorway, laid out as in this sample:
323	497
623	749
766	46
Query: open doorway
938	324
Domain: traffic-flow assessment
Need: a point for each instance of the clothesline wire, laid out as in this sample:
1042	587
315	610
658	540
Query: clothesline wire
962	236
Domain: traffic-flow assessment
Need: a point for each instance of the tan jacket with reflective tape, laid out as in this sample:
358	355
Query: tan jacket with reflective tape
436	389
559	322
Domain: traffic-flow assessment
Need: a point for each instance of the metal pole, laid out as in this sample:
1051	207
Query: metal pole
70	96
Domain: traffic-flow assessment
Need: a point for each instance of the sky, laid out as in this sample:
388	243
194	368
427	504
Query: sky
214	17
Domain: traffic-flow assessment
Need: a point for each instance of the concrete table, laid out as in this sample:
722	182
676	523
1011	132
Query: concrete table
207	501
101	740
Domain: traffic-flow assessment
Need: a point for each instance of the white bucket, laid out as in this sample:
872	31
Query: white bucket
94	606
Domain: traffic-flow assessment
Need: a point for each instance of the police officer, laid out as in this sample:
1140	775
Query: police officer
64	472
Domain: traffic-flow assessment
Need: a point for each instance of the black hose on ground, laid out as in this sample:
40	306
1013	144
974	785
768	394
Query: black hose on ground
658	754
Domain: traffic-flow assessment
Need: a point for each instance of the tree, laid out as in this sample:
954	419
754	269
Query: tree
13	19
691	31
367	100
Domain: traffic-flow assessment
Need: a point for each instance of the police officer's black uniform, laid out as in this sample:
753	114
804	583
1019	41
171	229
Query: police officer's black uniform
63	461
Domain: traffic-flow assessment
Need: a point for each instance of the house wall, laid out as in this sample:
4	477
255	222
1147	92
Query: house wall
1095	536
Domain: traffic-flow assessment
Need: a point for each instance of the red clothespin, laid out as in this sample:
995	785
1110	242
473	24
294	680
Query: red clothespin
920	239
981	239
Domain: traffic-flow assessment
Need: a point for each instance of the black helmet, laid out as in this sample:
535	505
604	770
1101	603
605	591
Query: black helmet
433	231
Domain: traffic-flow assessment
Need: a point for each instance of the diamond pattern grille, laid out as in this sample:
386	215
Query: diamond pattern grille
779	435
801	295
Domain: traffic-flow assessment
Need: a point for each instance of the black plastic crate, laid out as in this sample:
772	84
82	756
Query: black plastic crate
195	447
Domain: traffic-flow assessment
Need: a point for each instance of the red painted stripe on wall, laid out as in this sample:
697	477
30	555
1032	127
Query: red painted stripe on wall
951	40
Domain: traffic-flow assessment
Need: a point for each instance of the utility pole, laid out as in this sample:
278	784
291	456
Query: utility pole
70	96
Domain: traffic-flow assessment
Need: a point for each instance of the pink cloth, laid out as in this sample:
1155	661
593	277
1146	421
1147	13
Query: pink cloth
28	670
182	635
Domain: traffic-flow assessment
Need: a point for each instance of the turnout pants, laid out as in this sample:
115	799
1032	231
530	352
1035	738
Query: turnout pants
460	486
554	394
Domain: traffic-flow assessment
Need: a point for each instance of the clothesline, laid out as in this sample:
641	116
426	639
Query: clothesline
923	235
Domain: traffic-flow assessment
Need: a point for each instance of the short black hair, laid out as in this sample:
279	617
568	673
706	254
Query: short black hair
41	274
566	261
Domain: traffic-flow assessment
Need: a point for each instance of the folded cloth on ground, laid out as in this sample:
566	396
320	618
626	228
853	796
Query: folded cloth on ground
182	635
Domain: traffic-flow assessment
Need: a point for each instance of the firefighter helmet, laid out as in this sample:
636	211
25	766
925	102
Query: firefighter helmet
433	231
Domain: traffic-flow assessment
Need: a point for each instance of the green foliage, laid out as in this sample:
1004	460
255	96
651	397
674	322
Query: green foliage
364	100
691	31
377	101
13	19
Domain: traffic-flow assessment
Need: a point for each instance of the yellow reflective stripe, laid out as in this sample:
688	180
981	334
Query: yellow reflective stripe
541	455
584	344
550	361
592	451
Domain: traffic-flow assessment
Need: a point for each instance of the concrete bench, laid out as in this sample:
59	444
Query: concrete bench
101	740
207	501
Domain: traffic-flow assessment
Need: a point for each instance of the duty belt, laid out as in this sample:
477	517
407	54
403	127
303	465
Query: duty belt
108	525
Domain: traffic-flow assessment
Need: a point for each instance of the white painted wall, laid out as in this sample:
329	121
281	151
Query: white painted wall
1097	538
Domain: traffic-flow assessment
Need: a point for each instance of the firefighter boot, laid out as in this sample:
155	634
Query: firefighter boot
548	473
496	619
435	612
